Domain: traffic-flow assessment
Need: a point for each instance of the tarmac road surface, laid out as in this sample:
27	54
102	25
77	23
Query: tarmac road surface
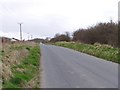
66	68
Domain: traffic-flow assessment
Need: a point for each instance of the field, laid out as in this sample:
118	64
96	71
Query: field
102	51
20	65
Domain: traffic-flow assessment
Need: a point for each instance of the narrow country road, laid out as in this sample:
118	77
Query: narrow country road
66	68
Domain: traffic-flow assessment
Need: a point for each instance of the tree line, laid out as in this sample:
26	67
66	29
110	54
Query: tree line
103	33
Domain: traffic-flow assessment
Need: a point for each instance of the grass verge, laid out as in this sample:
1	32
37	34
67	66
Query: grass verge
102	51
26	70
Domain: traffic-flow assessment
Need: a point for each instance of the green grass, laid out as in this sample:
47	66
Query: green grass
1	53
102	51
29	67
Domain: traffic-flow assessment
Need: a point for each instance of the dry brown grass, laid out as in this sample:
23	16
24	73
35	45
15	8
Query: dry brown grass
13	57
0	64
0	74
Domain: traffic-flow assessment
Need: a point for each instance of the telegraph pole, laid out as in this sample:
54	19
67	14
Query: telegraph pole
20	31
28	36
31	37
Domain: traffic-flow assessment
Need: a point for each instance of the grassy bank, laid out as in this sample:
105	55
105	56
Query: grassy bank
0	69
24	66
102	51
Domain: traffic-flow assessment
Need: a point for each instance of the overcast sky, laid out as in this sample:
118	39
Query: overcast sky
45	18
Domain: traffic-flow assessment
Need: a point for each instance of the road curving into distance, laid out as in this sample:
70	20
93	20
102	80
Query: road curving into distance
66	68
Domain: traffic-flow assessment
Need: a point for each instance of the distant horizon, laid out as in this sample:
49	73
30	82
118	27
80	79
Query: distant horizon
54	34
19	39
